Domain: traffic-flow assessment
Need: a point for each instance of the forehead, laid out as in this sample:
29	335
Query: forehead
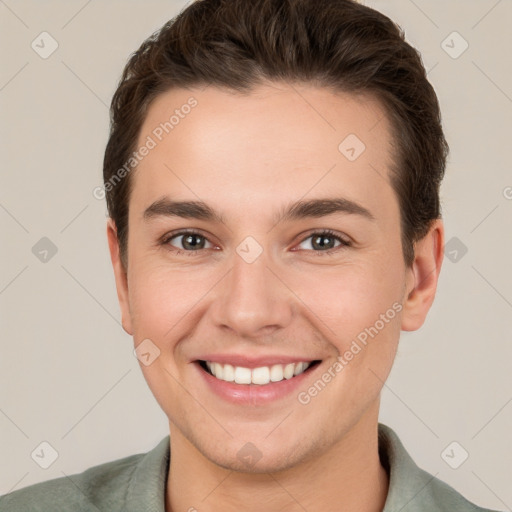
306	112
278	141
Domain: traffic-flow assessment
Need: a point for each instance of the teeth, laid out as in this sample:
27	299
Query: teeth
229	373
242	375
299	368
261	376
217	370
289	371
276	373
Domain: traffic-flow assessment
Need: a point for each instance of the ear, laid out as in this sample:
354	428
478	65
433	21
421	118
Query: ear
120	276
422	277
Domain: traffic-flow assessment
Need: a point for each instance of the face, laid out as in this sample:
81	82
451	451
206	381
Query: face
293	255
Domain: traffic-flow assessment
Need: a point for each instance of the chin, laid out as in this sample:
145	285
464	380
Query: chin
261	465
259	457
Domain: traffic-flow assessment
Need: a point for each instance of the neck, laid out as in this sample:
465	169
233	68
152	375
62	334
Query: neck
346	476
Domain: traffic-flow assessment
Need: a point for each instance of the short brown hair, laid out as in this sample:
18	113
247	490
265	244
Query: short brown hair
239	44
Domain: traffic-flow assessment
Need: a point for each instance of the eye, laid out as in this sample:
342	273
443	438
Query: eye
191	242
323	241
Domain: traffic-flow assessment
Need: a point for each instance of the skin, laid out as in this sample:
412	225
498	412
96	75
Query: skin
248	157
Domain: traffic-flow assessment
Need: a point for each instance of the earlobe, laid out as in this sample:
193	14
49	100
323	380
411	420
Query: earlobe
423	276
120	276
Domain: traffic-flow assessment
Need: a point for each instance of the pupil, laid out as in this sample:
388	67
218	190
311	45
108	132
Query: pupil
191	244
320	240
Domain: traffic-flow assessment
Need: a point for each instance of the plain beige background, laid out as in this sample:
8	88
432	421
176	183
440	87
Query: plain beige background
68	372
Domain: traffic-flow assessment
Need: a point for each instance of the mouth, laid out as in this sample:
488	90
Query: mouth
261	376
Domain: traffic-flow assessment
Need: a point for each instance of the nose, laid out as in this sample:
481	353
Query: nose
253	299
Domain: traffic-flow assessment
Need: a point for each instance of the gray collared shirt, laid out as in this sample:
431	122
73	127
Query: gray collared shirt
137	484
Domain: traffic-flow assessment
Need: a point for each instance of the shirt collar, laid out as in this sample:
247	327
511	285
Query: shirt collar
407	482
147	486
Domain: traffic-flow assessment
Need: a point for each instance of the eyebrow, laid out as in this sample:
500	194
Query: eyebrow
165	207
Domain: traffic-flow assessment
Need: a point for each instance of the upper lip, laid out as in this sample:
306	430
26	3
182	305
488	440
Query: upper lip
254	362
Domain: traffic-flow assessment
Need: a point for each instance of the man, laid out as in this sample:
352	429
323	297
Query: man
272	179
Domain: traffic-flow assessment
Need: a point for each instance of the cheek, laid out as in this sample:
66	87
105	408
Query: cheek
360	311
350	297
160	297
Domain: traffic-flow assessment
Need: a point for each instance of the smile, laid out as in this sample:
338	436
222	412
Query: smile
261	376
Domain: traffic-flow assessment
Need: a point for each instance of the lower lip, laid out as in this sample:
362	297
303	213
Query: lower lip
255	394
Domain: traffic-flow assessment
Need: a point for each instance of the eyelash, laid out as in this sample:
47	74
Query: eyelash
326	232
